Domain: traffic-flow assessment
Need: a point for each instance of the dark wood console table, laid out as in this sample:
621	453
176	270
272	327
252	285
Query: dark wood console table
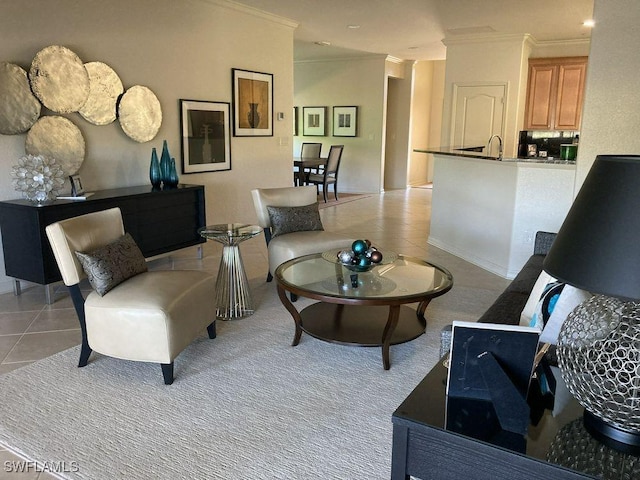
473	446
160	221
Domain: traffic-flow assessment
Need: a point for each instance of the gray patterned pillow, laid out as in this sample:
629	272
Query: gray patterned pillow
112	264
294	219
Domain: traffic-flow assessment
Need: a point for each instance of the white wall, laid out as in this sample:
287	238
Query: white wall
426	118
181	50
356	81
398	123
486	59
611	113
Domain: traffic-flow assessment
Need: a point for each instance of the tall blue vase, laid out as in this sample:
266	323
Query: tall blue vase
173	174
165	163
155	175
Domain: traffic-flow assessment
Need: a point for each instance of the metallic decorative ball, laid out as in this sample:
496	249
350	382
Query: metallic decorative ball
376	256
368	242
364	262
359	246
345	256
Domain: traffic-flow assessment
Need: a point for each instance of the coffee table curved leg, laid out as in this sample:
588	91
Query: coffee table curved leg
422	306
282	294
392	322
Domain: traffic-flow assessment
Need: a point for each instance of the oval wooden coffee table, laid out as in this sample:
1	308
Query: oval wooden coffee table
363	309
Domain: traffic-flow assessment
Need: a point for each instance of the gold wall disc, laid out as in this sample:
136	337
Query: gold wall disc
140	114
19	108
105	87
57	137
59	79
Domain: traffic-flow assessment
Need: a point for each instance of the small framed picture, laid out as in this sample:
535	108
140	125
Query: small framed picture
295	121
252	103
314	121
206	137
345	121
76	185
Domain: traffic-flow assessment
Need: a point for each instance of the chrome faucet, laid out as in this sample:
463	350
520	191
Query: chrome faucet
499	145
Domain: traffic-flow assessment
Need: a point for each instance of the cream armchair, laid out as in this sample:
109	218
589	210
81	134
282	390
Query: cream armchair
149	317
295	244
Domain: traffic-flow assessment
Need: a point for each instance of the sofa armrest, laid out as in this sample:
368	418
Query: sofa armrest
543	242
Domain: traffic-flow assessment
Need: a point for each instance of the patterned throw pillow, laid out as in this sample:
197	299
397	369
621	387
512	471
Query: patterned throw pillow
294	219
112	264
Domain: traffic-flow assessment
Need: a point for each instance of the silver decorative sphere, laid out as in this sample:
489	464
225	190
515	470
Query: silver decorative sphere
345	256
599	357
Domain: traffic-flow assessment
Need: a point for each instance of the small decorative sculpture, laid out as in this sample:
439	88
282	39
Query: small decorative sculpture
39	178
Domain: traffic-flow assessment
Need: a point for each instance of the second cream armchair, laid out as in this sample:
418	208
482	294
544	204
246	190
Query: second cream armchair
294	244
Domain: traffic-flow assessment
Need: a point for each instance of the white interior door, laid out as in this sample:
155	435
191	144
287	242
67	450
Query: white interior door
478	113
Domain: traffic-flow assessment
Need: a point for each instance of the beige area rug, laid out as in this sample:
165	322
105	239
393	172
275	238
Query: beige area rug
342	198
246	405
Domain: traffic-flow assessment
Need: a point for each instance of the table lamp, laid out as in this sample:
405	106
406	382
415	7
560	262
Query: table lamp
598	249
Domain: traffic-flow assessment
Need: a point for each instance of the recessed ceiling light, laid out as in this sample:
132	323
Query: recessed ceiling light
353	27
589	23
323	43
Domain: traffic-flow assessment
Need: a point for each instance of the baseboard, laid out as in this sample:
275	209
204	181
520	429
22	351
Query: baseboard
499	270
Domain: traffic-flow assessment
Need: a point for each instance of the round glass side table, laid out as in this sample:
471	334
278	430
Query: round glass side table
233	297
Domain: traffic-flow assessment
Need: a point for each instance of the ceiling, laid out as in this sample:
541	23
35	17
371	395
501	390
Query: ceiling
414	29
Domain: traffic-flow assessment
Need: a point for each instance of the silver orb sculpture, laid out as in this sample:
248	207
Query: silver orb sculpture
38	178
599	357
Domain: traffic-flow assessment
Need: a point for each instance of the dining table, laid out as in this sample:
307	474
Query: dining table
303	164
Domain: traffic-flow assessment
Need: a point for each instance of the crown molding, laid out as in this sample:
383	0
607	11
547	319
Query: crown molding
287	22
349	58
486	38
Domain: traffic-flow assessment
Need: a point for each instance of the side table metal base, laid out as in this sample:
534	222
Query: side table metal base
233	297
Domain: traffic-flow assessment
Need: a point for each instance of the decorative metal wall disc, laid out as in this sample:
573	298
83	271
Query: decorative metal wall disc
59	79
57	137
19	109
140	114
104	89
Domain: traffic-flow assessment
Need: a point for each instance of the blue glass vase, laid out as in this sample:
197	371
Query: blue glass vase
155	175
165	163
172	181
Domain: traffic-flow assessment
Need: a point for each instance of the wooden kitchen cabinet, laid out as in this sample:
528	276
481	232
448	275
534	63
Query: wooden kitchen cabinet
555	93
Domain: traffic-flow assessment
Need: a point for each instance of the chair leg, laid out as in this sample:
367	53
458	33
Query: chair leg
335	190
269	277
85	351
167	372
211	329
324	192
294	297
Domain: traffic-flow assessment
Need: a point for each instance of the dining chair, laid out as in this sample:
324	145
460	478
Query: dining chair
132	313
309	150
330	174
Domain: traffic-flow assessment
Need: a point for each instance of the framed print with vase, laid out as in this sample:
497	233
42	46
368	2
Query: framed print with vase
345	121
205	136
314	123
252	103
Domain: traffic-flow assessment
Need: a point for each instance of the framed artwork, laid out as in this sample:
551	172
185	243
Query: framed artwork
252	103
77	188
314	121
205	138
345	121
296	121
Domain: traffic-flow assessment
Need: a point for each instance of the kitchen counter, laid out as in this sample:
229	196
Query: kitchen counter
477	152
487	212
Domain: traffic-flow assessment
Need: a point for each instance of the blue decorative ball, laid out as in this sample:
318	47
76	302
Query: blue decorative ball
359	246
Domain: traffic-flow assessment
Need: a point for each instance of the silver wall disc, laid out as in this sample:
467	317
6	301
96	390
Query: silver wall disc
140	114
57	137
105	87
19	108
59	79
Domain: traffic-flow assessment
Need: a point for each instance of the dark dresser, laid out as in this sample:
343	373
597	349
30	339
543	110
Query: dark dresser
160	221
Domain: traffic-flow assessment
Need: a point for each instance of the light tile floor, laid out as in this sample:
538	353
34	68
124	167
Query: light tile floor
397	220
